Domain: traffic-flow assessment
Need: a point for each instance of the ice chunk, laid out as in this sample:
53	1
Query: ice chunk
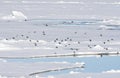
72	72
98	47
6	47
19	15
16	15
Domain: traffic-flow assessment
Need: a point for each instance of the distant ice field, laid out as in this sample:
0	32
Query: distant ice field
62	9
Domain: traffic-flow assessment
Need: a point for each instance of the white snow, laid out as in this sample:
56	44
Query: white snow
3	60
24	17
6	47
19	15
16	15
25	69
98	47
72	72
112	71
111	21
51	77
89	77
3	76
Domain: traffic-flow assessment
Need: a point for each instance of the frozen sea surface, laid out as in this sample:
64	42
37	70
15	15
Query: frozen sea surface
26	45
59	39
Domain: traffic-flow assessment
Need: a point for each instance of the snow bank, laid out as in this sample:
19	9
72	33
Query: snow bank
16	15
98	47
19	15
11	44
6	47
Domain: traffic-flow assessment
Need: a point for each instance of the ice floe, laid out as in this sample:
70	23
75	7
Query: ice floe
112	71
33	69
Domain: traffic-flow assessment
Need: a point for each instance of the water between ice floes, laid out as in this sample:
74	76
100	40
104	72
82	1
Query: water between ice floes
92	64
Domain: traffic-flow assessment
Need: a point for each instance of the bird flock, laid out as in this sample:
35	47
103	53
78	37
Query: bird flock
66	43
